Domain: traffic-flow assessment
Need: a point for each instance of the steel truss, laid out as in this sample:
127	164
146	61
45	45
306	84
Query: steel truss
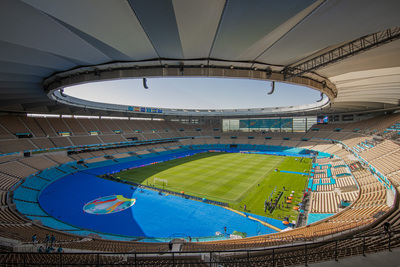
342	52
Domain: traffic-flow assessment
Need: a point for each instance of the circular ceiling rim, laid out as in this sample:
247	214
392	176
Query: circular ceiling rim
129	70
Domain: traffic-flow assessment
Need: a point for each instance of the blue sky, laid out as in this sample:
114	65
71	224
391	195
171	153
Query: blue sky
195	93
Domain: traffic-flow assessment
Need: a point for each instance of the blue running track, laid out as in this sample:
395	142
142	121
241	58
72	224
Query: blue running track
152	215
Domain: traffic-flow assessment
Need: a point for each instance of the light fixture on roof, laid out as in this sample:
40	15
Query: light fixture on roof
97	74
62	93
268	71
322	97
231	67
272	88
145	83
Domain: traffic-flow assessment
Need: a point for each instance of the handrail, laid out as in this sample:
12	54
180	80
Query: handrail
272	254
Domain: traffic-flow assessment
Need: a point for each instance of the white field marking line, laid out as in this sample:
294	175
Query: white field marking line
251	186
261	178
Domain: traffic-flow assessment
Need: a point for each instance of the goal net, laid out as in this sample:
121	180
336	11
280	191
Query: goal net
160	181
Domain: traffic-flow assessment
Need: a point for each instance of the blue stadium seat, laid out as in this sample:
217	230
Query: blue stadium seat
28	208
26	194
35	183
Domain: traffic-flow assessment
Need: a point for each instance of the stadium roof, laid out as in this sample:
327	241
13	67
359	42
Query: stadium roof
349	50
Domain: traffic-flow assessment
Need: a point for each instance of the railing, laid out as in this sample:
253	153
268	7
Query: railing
299	254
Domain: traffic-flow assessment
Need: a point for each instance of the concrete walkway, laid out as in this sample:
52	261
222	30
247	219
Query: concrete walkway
380	259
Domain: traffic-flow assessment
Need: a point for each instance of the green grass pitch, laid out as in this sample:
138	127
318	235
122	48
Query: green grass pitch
235	178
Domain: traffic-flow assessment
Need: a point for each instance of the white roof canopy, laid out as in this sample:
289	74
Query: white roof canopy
46	44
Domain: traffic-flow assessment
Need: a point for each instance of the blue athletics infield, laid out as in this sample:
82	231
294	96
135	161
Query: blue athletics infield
89	202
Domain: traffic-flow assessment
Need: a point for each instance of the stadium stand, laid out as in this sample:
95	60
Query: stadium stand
9	157
366	203
348	51
43	143
7	181
38	162
61	142
75	126
59	158
84	140
4	134
13	125
17	169
44	124
33	126
9	146
101	126
52	174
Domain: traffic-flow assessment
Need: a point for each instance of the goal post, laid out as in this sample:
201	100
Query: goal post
163	181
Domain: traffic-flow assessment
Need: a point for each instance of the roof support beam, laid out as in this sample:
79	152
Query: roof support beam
342	52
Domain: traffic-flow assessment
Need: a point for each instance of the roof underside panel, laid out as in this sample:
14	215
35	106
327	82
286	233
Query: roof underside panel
111	23
247	22
13	77
369	86
42	33
383	57
23	69
29	56
334	22
159	22
197	23
46	38
256	50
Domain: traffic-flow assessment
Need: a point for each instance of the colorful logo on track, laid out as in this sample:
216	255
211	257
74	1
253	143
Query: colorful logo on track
108	205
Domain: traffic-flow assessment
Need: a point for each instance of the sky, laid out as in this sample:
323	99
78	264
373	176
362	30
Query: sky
195	93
